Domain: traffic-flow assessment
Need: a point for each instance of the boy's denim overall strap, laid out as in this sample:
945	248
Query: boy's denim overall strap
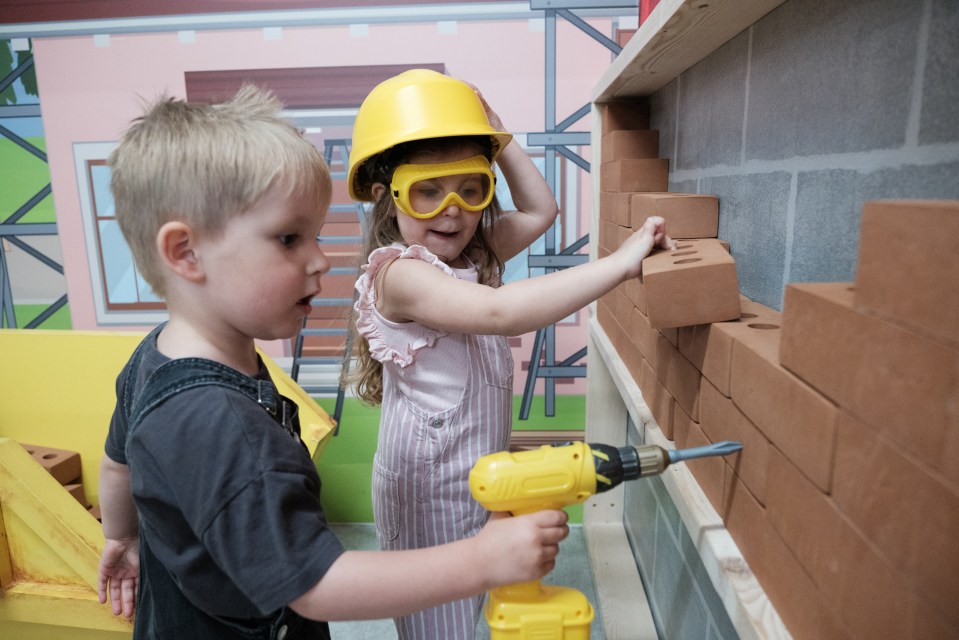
127	393
175	376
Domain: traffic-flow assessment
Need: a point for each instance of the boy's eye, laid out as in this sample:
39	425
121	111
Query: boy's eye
288	239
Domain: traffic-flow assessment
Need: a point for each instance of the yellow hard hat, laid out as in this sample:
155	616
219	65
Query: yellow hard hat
415	105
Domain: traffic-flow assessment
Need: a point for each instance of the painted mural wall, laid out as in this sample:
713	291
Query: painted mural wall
92	86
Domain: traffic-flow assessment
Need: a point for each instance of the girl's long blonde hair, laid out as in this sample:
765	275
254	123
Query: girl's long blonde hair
366	377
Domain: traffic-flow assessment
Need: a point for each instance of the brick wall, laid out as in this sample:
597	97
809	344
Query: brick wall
845	498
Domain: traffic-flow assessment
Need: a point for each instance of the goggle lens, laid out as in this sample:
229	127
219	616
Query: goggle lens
425	190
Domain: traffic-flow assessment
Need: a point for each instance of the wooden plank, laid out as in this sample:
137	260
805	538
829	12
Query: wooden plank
69	608
622	381
675	36
44	506
52	548
623	604
520	439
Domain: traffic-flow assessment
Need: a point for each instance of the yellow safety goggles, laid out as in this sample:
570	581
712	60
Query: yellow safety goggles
424	190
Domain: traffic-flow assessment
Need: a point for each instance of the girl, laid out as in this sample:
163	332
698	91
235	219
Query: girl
431	315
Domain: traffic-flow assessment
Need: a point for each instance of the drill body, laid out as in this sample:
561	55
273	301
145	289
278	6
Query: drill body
552	477
555	476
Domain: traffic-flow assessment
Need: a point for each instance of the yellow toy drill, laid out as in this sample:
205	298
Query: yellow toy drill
552	477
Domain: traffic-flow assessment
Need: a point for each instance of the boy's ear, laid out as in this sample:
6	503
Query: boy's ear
176	242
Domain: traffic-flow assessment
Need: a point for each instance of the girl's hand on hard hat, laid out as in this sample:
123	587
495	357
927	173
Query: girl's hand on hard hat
491	115
639	245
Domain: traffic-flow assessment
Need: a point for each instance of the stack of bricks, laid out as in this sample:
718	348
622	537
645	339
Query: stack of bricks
845	498
694	284
883	353
66	468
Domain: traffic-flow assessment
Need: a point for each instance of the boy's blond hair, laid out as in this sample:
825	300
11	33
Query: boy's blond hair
203	164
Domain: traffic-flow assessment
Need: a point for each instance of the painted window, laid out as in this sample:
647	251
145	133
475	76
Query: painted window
123	286
120	294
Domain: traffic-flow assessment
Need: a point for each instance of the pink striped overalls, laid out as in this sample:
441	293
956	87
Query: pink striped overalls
447	400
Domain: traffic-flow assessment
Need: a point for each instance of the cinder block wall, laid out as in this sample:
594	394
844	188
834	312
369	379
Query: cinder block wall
843	497
799	120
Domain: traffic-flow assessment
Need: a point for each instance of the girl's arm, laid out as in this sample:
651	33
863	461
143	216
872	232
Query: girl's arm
413	290
535	204
383	584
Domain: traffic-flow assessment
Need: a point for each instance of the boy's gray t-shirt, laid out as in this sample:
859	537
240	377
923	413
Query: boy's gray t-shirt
228	500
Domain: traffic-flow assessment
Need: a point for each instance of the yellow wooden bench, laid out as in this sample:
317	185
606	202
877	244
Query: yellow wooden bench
57	389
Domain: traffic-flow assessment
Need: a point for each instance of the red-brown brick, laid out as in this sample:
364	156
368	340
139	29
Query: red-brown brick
627	144
908	266
691	285
637	174
795	417
906	511
687	215
904	386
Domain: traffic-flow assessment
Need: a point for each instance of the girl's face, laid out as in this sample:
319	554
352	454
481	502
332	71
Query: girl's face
449	232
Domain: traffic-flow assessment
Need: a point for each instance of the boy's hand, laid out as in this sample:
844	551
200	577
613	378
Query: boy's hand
652	234
521	548
119	574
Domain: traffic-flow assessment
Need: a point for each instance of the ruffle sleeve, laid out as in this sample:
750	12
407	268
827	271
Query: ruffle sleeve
397	342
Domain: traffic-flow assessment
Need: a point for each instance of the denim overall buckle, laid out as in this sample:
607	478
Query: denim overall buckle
266	396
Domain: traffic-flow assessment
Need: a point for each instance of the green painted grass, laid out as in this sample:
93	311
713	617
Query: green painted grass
24	175
26	313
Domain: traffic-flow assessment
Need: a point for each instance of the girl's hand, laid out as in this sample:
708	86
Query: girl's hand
491	115
639	245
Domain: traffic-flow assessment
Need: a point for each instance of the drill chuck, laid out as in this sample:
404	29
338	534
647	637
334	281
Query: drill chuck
653	460
616	464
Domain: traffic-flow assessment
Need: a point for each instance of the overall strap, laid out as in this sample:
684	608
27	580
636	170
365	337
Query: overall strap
181	374
172	377
129	385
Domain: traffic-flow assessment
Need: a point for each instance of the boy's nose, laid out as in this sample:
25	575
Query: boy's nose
319	263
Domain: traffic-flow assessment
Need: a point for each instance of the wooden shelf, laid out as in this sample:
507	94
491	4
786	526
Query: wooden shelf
675	36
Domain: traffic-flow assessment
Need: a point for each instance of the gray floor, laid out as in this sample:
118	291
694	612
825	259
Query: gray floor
572	570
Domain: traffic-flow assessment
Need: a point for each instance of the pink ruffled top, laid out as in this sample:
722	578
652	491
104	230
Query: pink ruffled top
397	342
